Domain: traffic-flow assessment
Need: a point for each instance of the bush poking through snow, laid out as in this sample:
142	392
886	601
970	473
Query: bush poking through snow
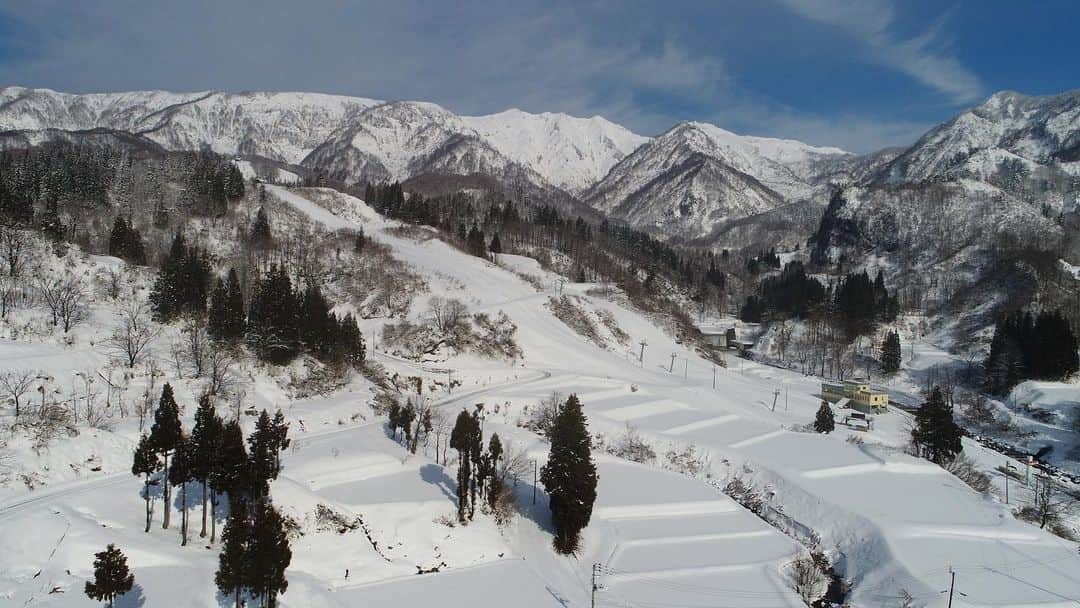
688	461
744	493
808	576
632	446
327	519
964	468
576	318
542	417
448	329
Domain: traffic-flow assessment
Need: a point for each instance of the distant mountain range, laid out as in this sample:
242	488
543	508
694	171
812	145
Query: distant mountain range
692	183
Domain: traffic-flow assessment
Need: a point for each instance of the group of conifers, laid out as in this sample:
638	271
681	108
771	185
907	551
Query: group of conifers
255	547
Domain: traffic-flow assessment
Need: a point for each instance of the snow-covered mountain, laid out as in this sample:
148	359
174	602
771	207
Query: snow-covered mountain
357	138
697	175
572	153
279	126
984	200
398	140
1007	133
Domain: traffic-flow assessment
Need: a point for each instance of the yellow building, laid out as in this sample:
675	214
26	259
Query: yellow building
859	394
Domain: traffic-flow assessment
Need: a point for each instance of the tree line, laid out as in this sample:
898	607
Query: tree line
279	321
855	301
1027	346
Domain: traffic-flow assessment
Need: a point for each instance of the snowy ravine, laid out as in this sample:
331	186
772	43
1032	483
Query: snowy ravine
889	521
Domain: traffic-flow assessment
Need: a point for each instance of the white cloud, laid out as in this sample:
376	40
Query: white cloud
923	57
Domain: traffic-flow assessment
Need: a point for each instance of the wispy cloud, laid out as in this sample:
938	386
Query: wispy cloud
924	57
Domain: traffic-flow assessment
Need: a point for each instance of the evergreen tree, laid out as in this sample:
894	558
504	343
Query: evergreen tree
206	440
890	353
280	436
462	439
180	473
936	434
274	320
217	316
824	422
264	445
268	554
233	182
318	326
182	282
232	576
235	322
260	234
111	576
494	456
146	463
165	435
570	476
126	243
231	472
475	242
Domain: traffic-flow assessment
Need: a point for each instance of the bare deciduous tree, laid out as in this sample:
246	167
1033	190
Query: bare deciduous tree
134	333
9	294
219	365
446	313
1050	503
784	331
196	342
15	384
65	299
15	246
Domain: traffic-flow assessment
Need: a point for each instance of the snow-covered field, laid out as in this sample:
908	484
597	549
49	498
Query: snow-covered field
664	535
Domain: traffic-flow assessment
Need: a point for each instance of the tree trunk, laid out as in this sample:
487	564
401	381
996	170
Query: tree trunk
165	479
238	597
149	509
213	515
183	514
202	533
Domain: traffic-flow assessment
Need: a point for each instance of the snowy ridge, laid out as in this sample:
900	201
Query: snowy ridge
357	138
573	153
1033	131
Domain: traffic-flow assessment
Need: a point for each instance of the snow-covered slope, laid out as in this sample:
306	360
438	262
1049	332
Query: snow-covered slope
696	175
572	153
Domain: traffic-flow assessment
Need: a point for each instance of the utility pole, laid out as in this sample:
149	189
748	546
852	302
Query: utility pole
595	575
535	481
952	584
671	368
641	358
1008	465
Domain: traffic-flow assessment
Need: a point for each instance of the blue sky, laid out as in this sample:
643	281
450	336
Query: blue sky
859	74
